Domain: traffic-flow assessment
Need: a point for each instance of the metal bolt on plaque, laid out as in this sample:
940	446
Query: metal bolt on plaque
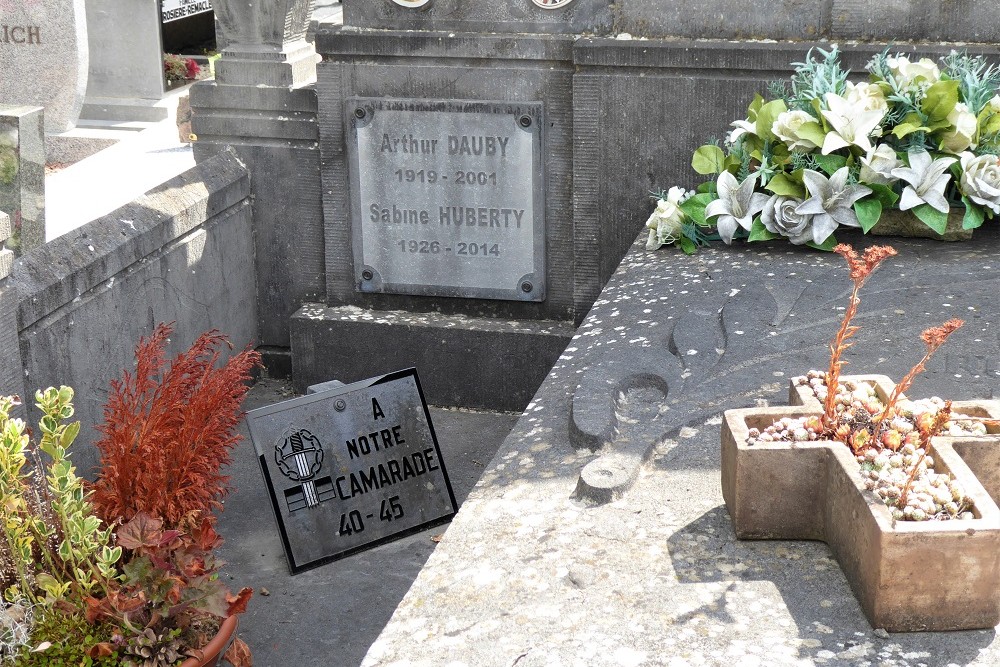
412	4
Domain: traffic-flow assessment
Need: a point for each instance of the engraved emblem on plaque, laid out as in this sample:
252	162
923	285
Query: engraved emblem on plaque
447	197
299	457
551	4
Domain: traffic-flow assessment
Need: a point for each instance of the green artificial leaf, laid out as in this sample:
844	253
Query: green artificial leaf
831	163
754	107
904	129
786	186
813	132
826	246
932	217
708	187
758	232
708	160
989	122
869	210
940	100
694	207
884	194
688	246
766	116
973	215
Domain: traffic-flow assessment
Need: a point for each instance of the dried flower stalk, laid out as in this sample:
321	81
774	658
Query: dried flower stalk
861	268
933	338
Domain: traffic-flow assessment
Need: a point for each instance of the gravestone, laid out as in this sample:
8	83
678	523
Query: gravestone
125	79
22	175
44	57
351	467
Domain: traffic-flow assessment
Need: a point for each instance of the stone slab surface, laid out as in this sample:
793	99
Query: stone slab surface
528	574
899	20
44	57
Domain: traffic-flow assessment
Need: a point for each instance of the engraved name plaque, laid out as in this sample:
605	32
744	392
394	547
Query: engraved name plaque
351	467
447	198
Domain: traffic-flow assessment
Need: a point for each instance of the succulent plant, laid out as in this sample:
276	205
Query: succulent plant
150	649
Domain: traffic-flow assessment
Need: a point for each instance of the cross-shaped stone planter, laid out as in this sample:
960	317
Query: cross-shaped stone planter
907	575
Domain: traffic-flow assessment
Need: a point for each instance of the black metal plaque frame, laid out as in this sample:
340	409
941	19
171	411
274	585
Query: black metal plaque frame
262	446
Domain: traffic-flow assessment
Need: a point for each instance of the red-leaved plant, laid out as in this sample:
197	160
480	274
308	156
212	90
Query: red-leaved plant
169	429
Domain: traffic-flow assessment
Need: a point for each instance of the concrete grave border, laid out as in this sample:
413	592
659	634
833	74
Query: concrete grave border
908	576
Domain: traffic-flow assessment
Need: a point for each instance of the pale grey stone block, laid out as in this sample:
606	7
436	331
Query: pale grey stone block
43	58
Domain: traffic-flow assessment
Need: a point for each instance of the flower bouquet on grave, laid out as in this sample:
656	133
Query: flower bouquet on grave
826	153
124	571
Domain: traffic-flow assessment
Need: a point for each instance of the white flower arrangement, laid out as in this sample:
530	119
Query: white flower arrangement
827	153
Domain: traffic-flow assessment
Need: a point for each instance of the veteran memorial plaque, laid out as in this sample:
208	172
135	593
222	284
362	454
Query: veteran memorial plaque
350	468
447	198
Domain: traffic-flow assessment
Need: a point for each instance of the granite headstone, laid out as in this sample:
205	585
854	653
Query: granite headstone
44	58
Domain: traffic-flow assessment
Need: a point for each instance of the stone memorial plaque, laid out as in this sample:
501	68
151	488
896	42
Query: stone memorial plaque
447	197
351	467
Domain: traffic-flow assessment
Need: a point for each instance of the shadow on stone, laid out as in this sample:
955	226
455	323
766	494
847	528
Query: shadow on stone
815	594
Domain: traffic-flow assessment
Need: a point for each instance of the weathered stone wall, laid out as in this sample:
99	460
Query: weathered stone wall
182	253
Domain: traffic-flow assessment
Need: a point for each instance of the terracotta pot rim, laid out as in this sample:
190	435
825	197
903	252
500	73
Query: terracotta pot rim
213	648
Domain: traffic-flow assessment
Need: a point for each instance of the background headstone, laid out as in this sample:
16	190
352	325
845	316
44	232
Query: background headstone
22	174
126	61
43	58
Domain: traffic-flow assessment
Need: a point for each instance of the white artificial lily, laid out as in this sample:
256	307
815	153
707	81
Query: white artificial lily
741	127
736	206
927	179
830	202
852	125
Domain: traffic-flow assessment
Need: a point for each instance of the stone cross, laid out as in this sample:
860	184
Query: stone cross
907	575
